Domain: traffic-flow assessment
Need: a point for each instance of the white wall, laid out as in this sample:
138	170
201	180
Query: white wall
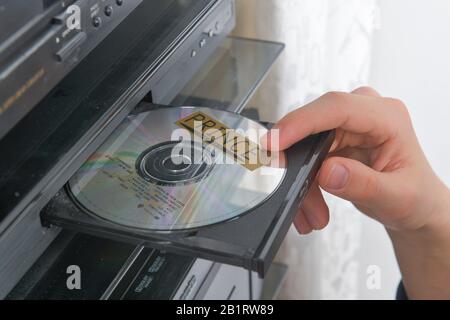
412	61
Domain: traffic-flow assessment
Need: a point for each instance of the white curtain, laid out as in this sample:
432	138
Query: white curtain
328	47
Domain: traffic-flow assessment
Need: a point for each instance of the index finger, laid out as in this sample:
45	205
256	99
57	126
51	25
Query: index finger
351	112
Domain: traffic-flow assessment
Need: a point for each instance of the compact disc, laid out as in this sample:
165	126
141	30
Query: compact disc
132	181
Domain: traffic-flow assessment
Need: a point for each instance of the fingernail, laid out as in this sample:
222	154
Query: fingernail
338	177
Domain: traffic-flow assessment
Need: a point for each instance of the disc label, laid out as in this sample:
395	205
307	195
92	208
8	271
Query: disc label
240	148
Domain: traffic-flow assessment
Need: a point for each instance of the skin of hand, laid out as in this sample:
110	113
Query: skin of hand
376	162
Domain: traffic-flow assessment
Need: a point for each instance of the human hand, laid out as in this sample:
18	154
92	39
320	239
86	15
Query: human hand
375	162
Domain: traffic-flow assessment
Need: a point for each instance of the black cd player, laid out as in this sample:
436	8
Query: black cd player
41	41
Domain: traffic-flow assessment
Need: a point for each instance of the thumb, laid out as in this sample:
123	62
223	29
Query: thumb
354	181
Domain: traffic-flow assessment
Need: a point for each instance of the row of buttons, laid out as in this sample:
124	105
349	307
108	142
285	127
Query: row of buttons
202	43
97	21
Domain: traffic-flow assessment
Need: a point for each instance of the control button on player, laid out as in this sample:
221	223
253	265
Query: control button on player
108	11
97	21
59	19
202	43
119	2
71	47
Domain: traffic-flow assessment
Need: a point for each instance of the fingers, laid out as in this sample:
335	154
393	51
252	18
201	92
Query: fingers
315	208
357	113
301	224
358	154
356	182
366	91
314	213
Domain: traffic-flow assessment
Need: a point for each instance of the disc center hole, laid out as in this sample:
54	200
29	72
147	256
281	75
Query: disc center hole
177	163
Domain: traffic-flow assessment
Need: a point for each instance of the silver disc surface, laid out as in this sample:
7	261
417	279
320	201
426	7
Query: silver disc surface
122	182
